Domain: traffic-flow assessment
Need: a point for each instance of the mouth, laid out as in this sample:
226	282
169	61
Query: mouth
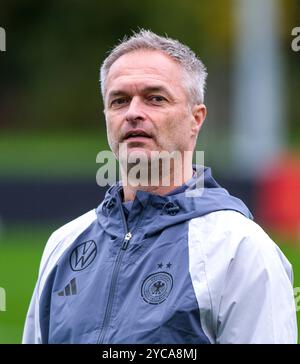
136	135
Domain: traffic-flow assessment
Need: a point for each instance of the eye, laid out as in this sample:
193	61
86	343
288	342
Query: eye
115	103
157	99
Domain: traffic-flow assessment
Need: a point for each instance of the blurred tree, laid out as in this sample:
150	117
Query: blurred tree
55	49
49	74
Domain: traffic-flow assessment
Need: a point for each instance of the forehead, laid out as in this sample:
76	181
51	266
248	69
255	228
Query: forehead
144	66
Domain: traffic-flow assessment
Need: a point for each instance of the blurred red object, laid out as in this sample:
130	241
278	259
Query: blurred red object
278	196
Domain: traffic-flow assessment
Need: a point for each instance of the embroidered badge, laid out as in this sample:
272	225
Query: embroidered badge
157	287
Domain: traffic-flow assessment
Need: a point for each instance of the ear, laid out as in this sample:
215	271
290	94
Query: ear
199	115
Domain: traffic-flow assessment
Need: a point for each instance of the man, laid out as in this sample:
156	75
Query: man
153	263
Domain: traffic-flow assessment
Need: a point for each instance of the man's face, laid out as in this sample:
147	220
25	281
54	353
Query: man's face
147	106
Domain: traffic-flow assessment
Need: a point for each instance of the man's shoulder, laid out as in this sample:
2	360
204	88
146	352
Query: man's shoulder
230	221
74	225
229	230
61	238
224	239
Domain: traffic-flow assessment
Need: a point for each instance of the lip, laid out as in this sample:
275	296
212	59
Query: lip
137	139
140	135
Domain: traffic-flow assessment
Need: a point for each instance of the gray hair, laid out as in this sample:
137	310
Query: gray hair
193	67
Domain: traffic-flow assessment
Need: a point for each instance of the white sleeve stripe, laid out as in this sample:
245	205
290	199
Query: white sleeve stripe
197	269
57	244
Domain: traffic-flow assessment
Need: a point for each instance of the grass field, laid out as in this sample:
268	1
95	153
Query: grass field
50	155
20	252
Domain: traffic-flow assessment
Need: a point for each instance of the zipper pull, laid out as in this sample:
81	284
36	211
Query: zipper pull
127	237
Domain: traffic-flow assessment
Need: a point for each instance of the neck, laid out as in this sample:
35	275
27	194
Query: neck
161	188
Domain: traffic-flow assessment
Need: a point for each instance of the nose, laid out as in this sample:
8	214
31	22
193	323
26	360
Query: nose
135	110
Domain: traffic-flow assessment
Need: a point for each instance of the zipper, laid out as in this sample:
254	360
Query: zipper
127	237
112	288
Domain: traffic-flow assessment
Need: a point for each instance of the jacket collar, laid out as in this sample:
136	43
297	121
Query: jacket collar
199	196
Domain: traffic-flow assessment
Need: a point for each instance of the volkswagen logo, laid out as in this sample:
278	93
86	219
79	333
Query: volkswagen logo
83	255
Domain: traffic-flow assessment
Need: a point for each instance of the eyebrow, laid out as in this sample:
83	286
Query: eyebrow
145	90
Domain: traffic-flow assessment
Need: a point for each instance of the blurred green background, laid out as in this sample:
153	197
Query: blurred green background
52	125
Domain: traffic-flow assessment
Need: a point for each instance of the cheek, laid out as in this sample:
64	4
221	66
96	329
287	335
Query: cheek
173	135
179	125
181	133
112	135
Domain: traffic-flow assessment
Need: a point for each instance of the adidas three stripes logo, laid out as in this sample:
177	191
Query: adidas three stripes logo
70	289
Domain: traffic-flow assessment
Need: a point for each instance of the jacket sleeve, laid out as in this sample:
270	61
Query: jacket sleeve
58	242
31	333
257	301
